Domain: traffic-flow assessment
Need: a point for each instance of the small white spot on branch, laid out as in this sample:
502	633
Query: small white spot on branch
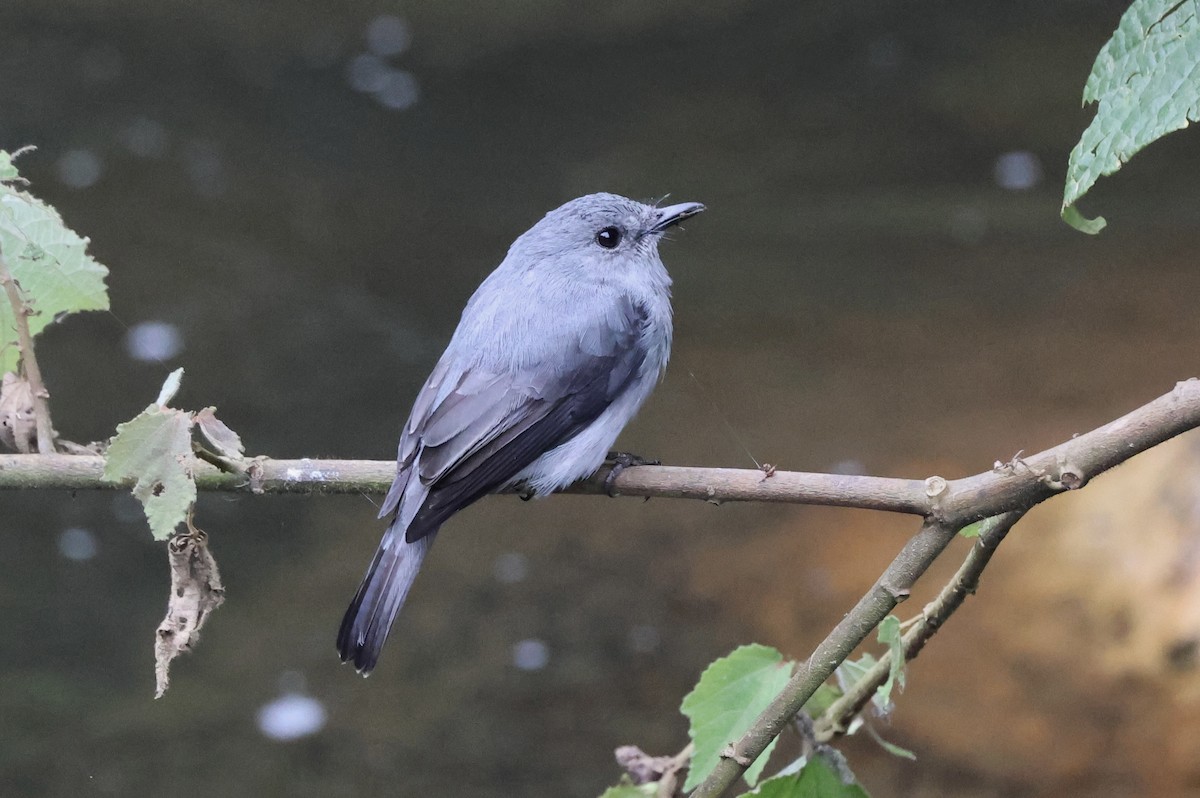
936	486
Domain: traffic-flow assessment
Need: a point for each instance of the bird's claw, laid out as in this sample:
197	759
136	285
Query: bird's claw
620	461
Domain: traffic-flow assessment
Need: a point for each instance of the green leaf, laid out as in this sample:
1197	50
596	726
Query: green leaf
48	261
816	780
731	694
1072	216
7	170
847	675
821	700
1146	81
155	449
971	530
851	670
890	636
170	387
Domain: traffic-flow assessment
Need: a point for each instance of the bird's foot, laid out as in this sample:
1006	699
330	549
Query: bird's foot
620	461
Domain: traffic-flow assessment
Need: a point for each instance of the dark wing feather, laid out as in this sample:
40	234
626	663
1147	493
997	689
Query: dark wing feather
546	424
470	432
483	434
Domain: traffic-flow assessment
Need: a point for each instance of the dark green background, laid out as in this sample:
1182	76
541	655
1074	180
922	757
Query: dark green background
860	294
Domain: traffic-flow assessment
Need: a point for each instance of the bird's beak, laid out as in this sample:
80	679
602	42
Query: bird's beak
674	214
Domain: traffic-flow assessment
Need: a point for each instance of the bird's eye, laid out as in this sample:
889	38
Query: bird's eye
609	237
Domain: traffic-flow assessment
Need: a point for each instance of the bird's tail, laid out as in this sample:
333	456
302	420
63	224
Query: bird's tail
367	622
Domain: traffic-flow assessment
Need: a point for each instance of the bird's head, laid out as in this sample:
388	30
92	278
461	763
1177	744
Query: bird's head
601	233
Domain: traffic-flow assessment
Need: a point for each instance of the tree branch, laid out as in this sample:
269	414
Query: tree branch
1024	482
718	485
836	719
890	589
1017	485
41	397
947	506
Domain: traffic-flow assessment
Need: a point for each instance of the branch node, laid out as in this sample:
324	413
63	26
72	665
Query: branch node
256	476
1068	477
729	752
936	487
1015	462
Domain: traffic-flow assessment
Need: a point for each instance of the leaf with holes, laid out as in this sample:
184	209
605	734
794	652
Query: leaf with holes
1146	83
731	694
48	261
155	451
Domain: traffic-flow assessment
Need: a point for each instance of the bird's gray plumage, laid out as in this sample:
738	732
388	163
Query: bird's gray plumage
554	354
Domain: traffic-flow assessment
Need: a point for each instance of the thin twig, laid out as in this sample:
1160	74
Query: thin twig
1026	481
41	397
217	461
891	588
946	505
1017	485
836	718
375	476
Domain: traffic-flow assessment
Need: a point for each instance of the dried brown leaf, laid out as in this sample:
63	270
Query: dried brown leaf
18	425
665	771
196	591
224	440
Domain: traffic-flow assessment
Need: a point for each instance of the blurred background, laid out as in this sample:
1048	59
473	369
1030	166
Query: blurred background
296	199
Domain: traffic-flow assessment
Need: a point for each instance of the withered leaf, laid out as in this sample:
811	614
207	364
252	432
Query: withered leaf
224	440
18	425
196	591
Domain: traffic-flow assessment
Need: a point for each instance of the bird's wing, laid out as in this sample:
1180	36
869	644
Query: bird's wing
473	430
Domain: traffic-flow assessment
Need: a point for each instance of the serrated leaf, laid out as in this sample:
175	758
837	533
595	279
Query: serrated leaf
731	694
816	780
155	449
1146	81
48	261
227	442
890	635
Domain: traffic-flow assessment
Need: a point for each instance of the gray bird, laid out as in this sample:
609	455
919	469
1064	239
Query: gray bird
555	353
